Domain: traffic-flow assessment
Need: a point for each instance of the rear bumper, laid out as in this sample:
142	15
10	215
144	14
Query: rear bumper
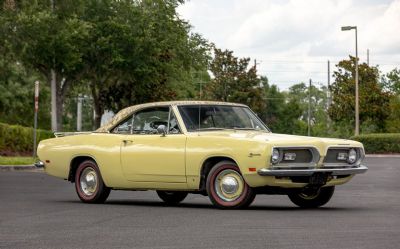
308	172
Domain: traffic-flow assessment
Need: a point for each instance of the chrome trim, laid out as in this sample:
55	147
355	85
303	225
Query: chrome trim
315	157
360	153
308	172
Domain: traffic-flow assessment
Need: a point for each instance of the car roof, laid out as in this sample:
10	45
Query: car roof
122	114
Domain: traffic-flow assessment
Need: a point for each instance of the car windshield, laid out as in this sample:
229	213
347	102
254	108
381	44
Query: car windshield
219	117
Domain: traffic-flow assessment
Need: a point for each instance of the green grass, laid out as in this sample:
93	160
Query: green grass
17	160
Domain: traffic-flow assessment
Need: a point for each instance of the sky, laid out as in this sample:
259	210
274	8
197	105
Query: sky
292	40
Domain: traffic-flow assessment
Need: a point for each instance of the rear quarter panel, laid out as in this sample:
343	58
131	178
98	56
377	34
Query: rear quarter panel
104	148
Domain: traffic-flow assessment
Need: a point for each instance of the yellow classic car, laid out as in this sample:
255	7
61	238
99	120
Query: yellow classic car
221	150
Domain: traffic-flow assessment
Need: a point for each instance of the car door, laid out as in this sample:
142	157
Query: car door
147	156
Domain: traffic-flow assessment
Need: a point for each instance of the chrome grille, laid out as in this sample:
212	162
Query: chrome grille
305	157
331	158
302	156
332	155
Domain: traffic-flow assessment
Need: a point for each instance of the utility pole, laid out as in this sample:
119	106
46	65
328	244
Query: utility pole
79	113
357	131
309	110
329	83
357	128
35	117
368	57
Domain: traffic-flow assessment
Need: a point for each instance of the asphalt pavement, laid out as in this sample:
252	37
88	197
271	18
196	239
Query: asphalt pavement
40	211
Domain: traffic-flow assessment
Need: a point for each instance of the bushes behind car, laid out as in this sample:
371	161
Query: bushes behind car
380	142
18	140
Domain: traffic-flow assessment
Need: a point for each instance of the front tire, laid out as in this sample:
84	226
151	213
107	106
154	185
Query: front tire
226	187
172	197
315	199
89	185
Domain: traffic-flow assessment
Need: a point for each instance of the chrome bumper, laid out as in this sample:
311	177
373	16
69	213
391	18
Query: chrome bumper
39	164
308	172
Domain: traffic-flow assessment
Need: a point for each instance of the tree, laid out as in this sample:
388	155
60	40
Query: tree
49	38
128	52
301	93
17	82
139	52
373	100
391	81
234	80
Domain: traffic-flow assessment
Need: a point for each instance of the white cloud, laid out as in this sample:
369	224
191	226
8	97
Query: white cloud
283	34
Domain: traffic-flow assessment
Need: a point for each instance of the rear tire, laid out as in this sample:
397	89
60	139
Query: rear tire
89	184
314	200
172	197
226	187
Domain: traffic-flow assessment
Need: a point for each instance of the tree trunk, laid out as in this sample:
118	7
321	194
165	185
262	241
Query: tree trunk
98	109
53	86
59	111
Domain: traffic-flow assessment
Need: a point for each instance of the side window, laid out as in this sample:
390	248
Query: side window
124	127
146	121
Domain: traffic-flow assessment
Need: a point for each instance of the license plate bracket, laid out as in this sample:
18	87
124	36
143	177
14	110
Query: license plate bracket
318	178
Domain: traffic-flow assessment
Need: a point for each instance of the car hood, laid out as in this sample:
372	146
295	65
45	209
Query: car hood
281	139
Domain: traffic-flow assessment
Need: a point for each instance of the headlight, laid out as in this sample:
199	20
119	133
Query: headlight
352	158
275	158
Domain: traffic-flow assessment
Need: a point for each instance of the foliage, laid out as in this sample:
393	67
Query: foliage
16	139
373	100
235	81
139	53
380	143
127	52
392	123
391	81
49	41
17	96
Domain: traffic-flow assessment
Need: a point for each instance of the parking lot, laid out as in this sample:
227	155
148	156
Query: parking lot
39	211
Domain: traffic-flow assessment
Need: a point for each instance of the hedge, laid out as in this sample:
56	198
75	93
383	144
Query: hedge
380	142
18	140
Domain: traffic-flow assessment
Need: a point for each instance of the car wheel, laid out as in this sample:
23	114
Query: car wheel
172	197
88	183
226	187
312	199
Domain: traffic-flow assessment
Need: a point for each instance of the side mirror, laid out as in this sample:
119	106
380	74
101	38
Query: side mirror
161	129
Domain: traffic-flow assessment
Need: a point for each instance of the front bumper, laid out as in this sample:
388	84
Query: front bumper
308	172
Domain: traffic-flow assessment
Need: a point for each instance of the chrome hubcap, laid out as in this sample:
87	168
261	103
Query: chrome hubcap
88	181
229	185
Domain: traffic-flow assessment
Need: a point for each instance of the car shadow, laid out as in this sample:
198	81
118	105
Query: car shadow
159	204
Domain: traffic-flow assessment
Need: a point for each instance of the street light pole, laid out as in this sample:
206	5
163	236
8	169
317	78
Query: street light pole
357	128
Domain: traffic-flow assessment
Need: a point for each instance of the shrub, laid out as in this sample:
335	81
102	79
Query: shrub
18	140
380	142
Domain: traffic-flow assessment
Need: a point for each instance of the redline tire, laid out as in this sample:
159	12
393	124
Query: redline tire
89	184
319	199
172	197
226	187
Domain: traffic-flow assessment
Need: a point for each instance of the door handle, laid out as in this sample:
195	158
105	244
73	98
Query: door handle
125	141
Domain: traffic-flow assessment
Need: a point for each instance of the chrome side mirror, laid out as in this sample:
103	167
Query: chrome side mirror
161	129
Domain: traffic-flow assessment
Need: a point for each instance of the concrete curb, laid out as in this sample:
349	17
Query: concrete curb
19	168
384	155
